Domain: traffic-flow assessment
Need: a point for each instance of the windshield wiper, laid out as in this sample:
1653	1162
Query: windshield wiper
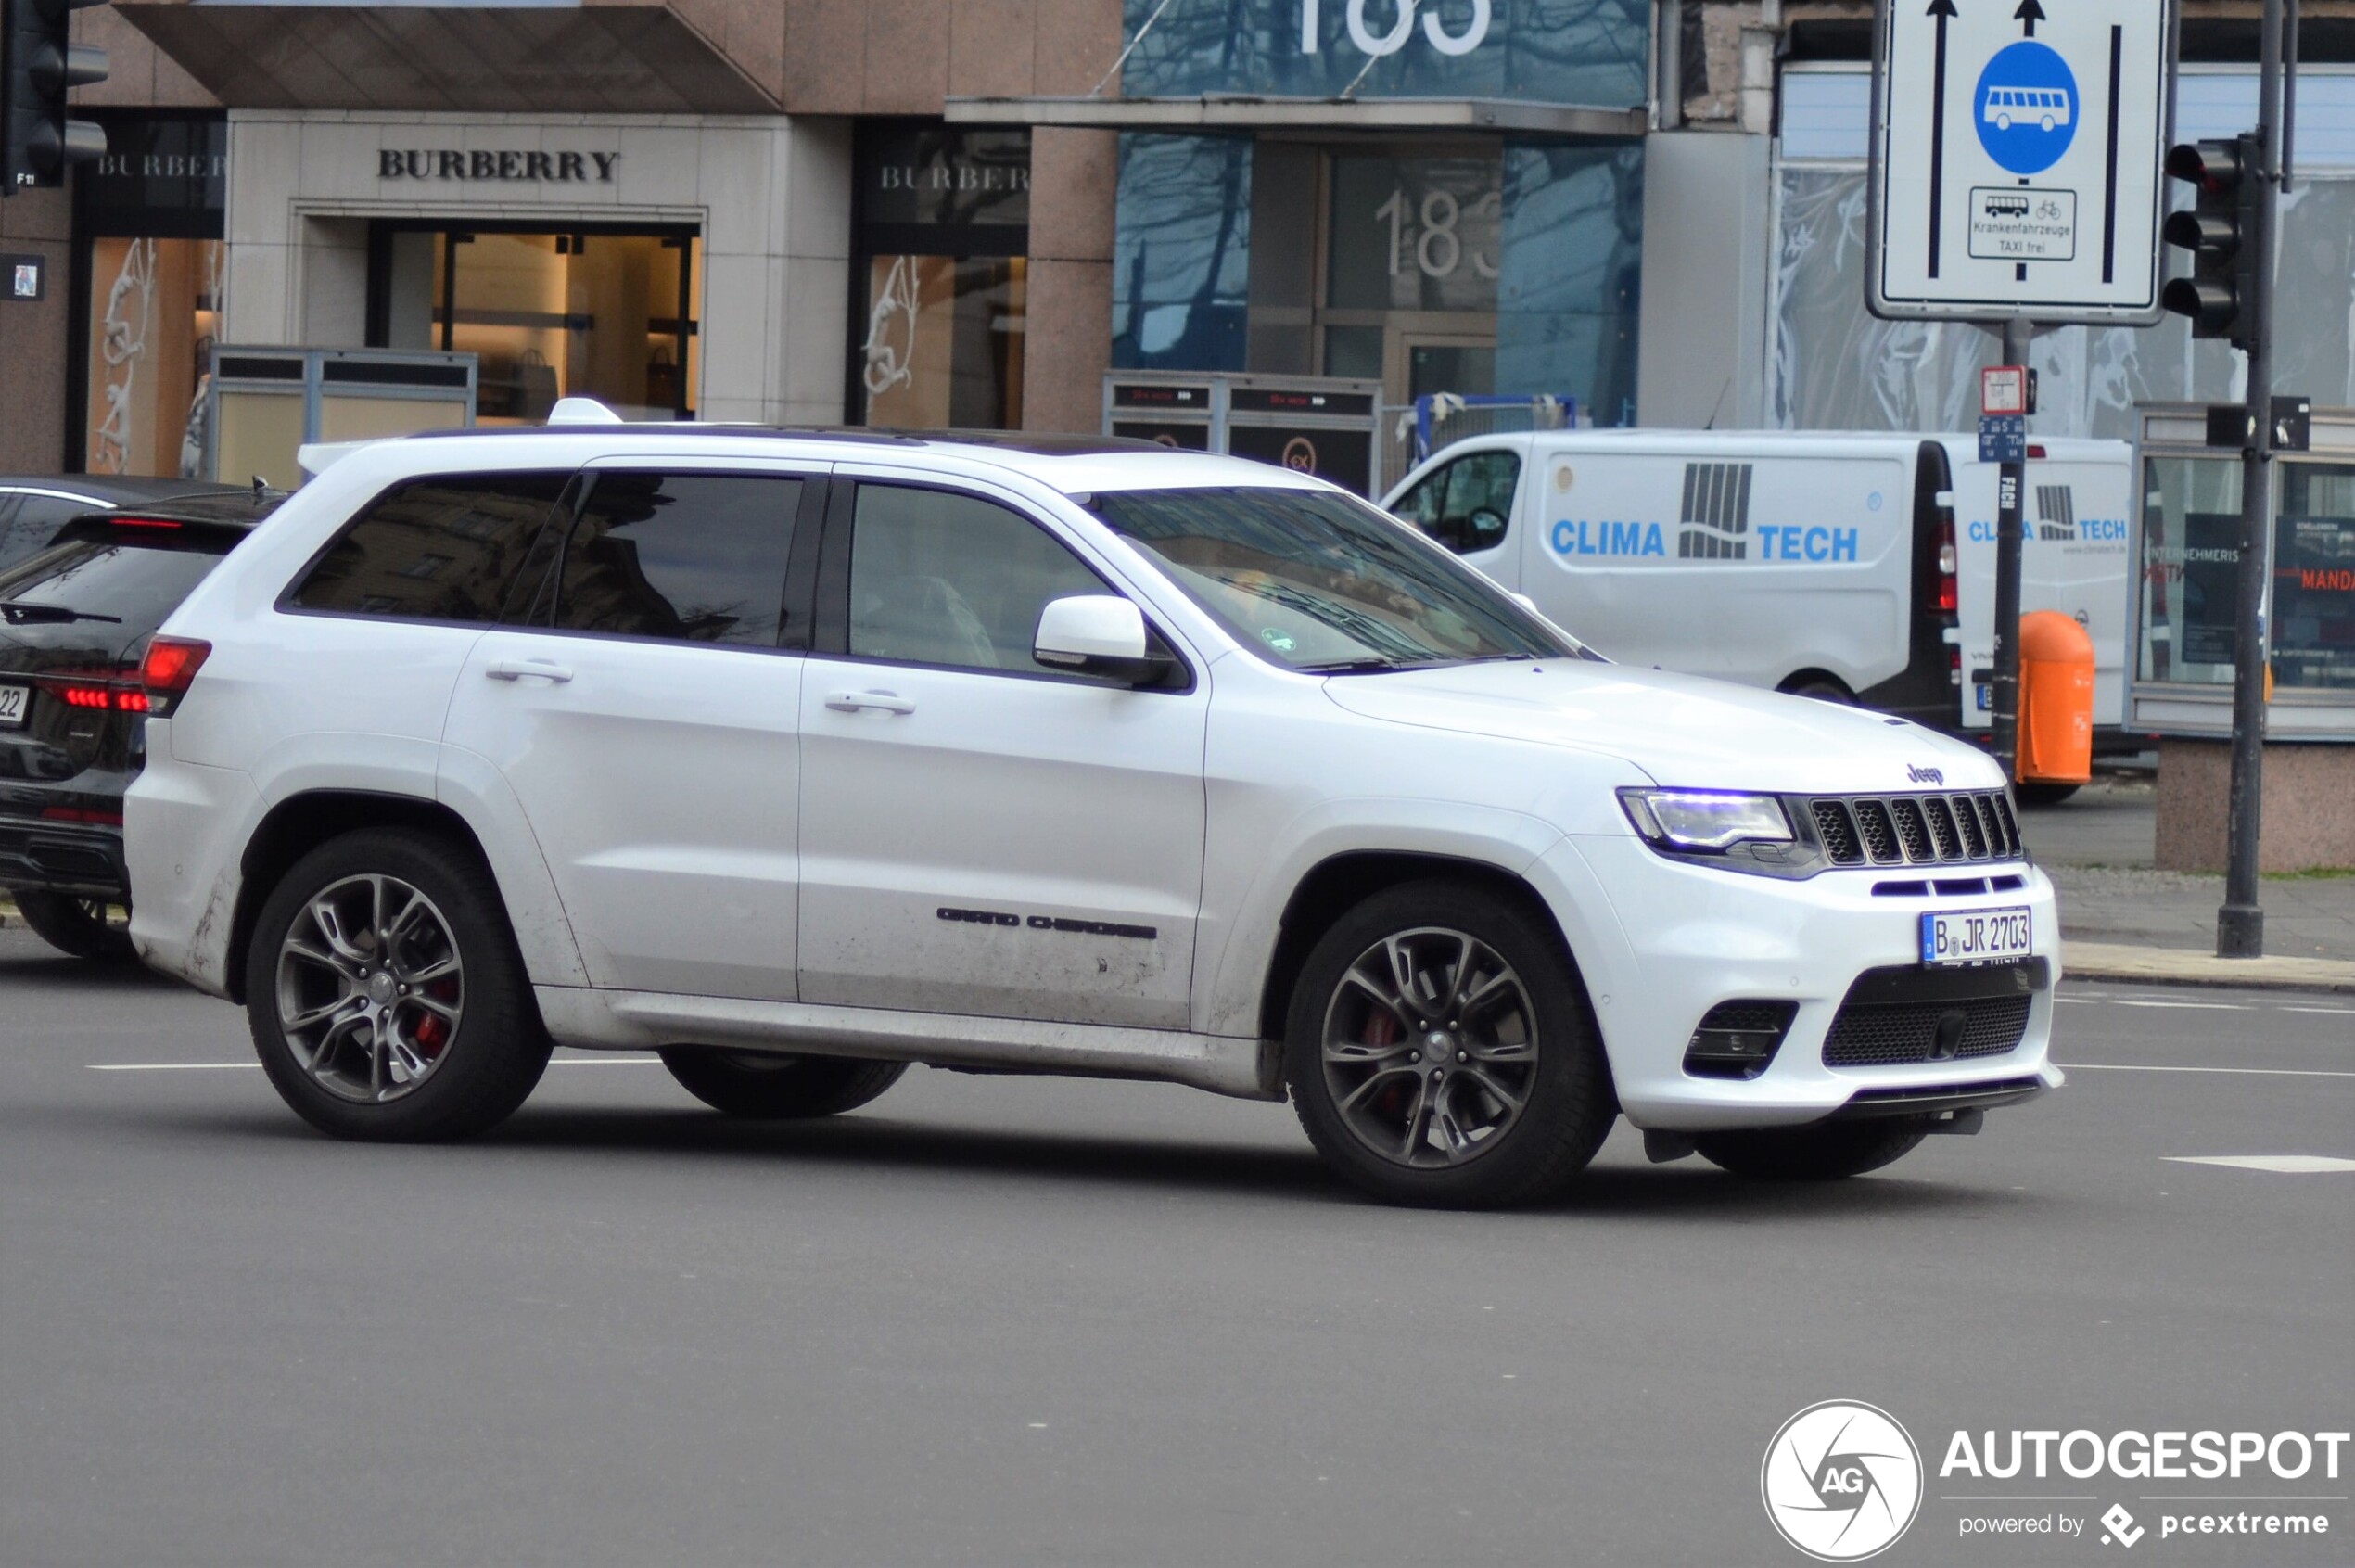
24	612
1359	666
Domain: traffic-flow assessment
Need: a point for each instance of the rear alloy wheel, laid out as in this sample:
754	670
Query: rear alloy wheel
768	1087
1826	1152
384	993
83	927
1440	1051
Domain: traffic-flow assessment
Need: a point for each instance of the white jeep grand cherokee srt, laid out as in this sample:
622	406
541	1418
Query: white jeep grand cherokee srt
800	756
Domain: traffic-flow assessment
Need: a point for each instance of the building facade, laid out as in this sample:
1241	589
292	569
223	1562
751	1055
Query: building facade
963	212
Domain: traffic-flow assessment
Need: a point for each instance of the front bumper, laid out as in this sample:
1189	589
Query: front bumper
63	858
1679	939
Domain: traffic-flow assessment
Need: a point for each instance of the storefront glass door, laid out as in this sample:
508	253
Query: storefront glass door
604	313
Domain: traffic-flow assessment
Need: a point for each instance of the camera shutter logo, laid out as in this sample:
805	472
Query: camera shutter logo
1843	1481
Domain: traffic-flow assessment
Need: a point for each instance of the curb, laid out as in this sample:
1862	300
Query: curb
2180	966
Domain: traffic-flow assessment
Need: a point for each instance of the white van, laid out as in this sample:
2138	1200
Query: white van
2075	557
1827	564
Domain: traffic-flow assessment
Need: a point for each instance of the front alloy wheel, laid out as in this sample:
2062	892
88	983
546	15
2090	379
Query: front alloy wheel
371	988
1440	1050
1430	1047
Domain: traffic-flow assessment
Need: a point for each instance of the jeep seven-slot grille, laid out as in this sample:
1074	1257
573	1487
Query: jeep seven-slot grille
1898	830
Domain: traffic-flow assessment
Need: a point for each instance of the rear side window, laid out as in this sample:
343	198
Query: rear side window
690	558
123	578
441	549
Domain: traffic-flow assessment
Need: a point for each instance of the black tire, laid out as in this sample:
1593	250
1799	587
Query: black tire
485	1066
2043	794
77	926
1823	690
767	1087
1567	1104
1825	1152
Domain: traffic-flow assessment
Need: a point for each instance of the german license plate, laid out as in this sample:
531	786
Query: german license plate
1975	937
15	701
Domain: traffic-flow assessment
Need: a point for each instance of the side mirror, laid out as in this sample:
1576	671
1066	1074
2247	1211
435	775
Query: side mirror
1098	635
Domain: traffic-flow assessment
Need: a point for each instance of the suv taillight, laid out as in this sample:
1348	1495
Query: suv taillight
171	665
1949	595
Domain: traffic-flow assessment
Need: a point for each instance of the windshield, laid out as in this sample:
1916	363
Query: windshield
1323	582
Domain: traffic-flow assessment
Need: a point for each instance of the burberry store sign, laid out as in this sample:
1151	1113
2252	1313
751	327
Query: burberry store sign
559	168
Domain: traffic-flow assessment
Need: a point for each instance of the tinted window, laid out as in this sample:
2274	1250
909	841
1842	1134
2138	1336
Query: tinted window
1322	582
1467	504
136	575
943	578
27	521
697	557
438	549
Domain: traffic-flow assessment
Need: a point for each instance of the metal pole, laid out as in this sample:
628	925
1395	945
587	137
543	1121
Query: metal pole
2011	479
2240	923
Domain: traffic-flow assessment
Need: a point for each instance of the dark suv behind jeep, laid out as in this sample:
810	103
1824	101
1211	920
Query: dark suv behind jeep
75	616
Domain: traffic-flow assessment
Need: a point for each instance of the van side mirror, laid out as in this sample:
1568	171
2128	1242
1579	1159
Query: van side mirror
1098	635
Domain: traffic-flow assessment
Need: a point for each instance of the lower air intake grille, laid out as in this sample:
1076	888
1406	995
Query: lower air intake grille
1896	1016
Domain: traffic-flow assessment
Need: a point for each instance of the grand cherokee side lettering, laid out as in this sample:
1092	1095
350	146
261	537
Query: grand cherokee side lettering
1052	922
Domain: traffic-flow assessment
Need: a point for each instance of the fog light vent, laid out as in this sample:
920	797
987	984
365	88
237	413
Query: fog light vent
1738	1039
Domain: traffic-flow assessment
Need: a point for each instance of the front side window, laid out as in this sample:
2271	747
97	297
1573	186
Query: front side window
938	577
1319	581
691	558
1466	505
445	548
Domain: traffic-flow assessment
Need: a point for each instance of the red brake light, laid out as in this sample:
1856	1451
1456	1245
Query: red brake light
171	665
1947	597
119	697
118	521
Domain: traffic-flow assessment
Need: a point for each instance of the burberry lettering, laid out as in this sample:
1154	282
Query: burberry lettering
561	168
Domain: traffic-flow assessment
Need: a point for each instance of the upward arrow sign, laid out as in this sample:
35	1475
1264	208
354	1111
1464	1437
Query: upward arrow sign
1944	10
2029	15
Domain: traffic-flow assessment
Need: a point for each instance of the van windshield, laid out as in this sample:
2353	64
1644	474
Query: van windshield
1324	584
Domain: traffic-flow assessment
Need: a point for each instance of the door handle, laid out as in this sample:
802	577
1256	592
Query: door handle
851	702
516	669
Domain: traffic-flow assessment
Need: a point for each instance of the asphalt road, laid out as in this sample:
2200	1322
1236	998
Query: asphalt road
1005	1320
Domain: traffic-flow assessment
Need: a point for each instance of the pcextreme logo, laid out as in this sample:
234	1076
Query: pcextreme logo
1843	1481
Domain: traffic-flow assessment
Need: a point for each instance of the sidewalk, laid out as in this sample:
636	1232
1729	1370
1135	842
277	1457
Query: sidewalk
2121	919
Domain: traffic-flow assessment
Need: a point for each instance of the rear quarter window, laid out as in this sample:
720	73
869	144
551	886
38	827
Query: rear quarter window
447	548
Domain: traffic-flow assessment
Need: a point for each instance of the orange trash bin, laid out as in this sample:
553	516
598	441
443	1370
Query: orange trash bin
2056	699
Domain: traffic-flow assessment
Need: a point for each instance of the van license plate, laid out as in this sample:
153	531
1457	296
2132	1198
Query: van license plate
1975	937
14	702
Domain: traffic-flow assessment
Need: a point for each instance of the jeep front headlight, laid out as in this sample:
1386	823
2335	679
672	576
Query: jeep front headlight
1705	820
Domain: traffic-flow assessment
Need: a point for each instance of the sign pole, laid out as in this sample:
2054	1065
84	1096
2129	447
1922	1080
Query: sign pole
2240	923
2011	479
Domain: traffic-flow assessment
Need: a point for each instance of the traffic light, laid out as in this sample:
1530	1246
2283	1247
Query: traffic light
39	140
2221	233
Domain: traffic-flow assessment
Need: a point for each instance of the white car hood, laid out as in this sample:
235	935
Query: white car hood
1682	729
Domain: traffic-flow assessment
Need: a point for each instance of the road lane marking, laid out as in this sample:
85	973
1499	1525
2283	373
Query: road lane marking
2280	1165
2334	1012
227	1066
167	1067
2201	1006
2253	1072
